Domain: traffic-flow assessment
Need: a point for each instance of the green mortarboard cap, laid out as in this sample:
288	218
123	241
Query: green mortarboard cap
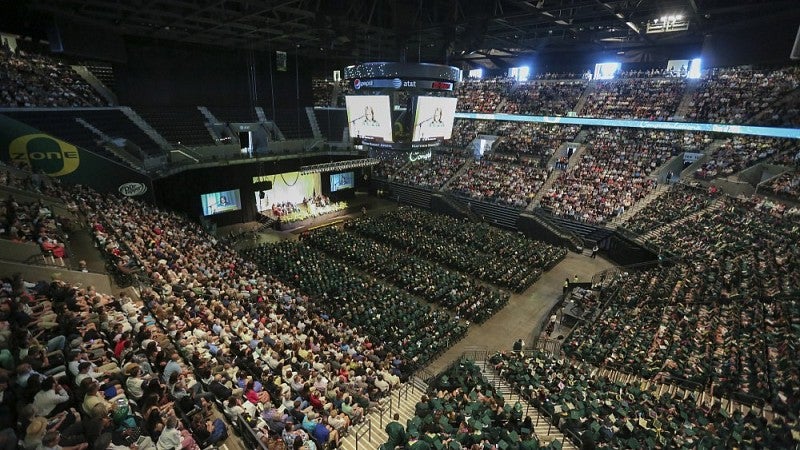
633	443
513	436
438	444
595	426
737	436
503	445
575	414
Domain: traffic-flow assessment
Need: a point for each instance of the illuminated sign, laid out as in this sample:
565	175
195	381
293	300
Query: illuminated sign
397	83
791	133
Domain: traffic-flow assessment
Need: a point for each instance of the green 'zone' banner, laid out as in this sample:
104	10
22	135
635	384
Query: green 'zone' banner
22	145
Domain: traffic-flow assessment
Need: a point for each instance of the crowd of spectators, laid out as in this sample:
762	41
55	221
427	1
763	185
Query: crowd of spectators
323	91
786	185
506	183
466	130
392	321
482	96
680	201
461	410
734	95
538	141
784	115
390	163
34	80
551	98
83	369
742	151
33	222
611	414
612	174
431	172
479	250
723	319
259	344
648	99
428	280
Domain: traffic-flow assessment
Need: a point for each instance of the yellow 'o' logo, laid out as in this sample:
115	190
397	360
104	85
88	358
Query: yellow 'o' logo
46	153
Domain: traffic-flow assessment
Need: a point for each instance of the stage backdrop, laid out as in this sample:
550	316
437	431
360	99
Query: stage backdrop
289	187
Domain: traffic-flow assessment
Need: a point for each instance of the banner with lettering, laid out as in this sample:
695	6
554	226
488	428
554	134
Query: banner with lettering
26	147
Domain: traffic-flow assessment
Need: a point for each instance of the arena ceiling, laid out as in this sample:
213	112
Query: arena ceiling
426	30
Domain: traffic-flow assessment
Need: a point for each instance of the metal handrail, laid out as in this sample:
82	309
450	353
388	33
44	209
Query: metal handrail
364	428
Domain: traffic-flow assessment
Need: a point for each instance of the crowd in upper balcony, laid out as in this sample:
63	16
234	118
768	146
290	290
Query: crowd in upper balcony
736	95
648	99
36	80
552	98
482	96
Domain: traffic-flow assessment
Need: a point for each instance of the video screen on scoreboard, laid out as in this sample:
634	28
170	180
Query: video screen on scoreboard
369	116
341	181
220	202
434	118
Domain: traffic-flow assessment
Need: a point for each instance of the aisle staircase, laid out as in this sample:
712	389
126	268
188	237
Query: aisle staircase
312	119
544	430
590	88
686	101
146	128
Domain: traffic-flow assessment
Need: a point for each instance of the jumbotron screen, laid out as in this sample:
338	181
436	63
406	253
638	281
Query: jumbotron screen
220	202
434	118
369	116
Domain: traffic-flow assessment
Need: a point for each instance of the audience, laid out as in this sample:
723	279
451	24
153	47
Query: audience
648	99
741	151
463	410
431	172
680	201
544	98
613	172
479	250
482	96
624	415
32	80
734	95
468	300
721	319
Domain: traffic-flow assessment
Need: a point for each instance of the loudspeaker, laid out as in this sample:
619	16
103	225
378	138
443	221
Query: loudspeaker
261	195
796	49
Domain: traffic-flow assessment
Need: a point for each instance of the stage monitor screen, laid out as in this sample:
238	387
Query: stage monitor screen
220	202
341	181
369	116
434	118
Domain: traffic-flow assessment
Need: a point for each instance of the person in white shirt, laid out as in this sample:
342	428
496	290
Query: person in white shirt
49	397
